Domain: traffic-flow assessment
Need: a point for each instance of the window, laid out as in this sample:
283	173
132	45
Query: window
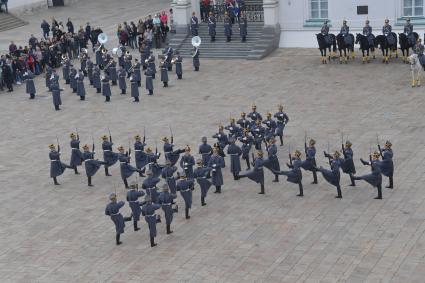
318	9
413	8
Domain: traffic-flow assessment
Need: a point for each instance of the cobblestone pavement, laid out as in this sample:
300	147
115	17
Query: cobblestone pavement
60	234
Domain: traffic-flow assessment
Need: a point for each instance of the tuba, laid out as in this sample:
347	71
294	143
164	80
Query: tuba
196	41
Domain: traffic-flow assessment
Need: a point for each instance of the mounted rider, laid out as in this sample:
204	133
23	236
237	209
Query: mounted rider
408	31
387	31
419	50
367	31
345	32
325	32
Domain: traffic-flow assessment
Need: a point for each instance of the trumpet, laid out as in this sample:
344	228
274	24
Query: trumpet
173	61
131	69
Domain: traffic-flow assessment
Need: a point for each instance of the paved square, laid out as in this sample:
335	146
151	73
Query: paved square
60	234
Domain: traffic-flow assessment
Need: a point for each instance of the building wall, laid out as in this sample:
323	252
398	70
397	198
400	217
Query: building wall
297	32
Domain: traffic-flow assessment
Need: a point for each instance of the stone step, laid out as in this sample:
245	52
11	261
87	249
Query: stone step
9	21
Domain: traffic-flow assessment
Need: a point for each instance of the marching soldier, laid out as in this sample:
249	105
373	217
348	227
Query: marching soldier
168	175
65	70
375	177
73	79
112	71
185	186
153	162
166	201
149	73
387	165
194	25
56	166
151	64
222	140
56	90
212	24
90	67
164	73
133	196
109	156
216	163
254	115
127	63
234	130
29	82
136	73
309	163
227	27
148	211
257	172
134	88
195	57
179	69
271	126
294	175
201	174
149	185
169	152
272	162
235	163
187	162
347	165
408	31
121	80
168	58
83	63
205	150
333	176
282	120
76	155
106	88
97	84
125	167
243	122
247	142
91	165
113	210
243	26
81	91
139	154
48	77
258	132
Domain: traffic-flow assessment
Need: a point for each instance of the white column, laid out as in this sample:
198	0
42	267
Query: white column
271	12
182	12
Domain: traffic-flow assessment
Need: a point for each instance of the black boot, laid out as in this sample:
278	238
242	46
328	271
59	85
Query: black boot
123	91
107	98
338	189
125	183
32	95
203	201
276	178
139	84
135	225
217	190
136	99
74	90
118	240
248	166
186	210
391	184
55	181
76	170
262	190
196	69
281	140
153	242
57	108
169	229
150	92
301	194
179	77
314	177
98	90
353	183
379	192
107	172
89	182
165	84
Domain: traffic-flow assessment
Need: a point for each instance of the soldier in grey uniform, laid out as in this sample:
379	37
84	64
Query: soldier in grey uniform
387	31
90	67
294	175
345	32
185	186
121	80
91	165
205	150
201	174
29	82
97	84
367	31
166	201
106	88
281	120
309	163
136	72
179	68
57	167
113	210
112	71
148	211
194	25
235	153
375	177
187	162
134	88
387	165
81	91
216	163
227	27
257	173
243	23
212	24
76	154
72	79
408	30
133	196
419	49
56	90
325	32
163	65
65	70
195	57
149	73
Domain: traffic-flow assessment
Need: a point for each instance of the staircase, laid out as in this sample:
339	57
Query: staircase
9	21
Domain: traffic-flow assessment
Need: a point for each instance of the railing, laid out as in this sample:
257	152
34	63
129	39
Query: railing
253	13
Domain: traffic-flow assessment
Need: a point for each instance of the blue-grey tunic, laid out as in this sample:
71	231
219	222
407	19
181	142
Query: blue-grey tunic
56	92
164	72
149	82
235	163
309	163
133	202
166	200
113	210
112	69
167	175
136	70
170	154
185	187
121	79
65	70
332	176
212	24
282	120
109	156
72	79
195	57
134	88
148	211
247	142
294	175
375	177
348	164
96	78
387	165
149	184
125	168
76	154
257	173
216	163
205	150
106	88
272	162
29	81
243	26
179	68
186	163
227	27
90	70
139	155
81	91
92	165
56	166
200	174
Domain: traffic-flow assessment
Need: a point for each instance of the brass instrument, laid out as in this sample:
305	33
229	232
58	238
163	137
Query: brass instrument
173	61
131	68
109	64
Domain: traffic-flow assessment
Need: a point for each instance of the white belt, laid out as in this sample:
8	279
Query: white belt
123	162
233	154
167	151
75	148
132	201
106	150
88	159
54	160
151	214
137	150
166	204
115	213
202	177
185	190
149	76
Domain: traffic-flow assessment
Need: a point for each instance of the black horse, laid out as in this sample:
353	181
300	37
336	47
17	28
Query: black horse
405	45
365	46
323	45
342	46
382	41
